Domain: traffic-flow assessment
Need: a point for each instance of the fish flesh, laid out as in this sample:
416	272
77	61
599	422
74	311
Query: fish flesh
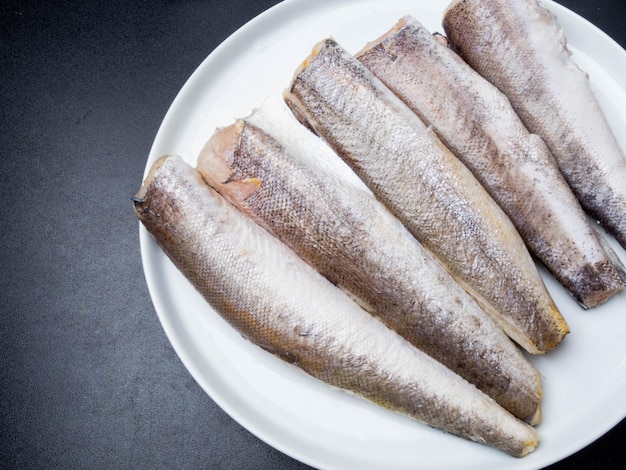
279	302
521	48
477	123
288	180
430	190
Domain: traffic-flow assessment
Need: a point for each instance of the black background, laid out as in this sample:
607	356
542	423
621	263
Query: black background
87	377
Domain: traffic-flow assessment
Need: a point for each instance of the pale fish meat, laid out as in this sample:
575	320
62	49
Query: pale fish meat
521	48
276	300
476	121
436	197
290	181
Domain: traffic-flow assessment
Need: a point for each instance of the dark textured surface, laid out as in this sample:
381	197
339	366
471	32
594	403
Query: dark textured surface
87	377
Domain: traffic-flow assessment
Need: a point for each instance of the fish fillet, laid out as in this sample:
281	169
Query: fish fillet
476	121
436	197
279	302
292	183
520	47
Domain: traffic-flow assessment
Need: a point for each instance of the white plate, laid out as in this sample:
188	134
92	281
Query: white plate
584	379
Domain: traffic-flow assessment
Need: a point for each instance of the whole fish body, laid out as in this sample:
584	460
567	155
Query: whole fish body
288	180
428	189
476	121
276	300
521	48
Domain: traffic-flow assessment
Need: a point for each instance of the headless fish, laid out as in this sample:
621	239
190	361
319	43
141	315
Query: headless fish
279	302
520	48
476	121
423	184
289	181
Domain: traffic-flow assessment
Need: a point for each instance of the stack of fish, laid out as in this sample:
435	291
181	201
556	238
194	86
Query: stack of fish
383	246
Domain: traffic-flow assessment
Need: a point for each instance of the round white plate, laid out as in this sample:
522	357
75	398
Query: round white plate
584	378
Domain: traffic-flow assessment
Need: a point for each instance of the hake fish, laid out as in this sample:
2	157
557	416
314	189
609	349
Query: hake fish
276	300
289	181
436	197
477	122
520	47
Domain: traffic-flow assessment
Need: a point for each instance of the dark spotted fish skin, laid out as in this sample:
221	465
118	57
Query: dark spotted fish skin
423	184
476	121
520	47
280	303
292	183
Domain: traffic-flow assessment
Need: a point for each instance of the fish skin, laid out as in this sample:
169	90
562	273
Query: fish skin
476	121
313	202
428	189
277	301
520	47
